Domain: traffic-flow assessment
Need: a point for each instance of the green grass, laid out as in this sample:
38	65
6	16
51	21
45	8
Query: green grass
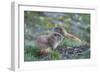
55	55
69	42
31	53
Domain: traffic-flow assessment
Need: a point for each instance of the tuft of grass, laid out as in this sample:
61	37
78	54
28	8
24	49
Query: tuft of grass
55	55
31	53
69	42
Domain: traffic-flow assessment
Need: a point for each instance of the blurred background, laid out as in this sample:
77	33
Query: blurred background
38	23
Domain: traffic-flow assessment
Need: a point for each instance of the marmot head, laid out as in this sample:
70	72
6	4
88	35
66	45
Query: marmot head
54	39
56	36
60	30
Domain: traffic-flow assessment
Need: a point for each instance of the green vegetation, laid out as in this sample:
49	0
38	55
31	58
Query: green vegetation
39	23
32	54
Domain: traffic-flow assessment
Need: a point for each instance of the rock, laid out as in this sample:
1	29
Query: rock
72	52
